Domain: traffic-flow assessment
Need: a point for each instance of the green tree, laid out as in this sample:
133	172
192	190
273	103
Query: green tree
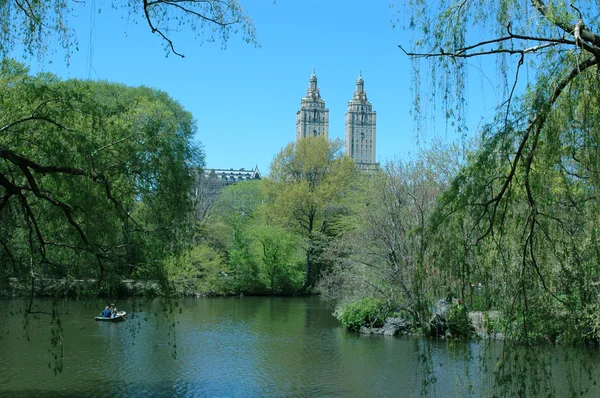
310	190
240	202
94	177
199	270
388	253
280	267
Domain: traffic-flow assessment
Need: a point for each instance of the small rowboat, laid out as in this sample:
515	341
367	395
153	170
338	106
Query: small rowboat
117	318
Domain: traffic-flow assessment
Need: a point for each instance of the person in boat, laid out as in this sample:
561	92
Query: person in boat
106	313
113	310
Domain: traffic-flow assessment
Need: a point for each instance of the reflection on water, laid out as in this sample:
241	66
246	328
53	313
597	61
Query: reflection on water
247	347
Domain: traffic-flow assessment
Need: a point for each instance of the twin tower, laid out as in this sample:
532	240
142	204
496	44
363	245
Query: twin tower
312	119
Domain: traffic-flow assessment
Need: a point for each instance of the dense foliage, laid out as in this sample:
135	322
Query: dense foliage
93	178
94	182
237	250
459	324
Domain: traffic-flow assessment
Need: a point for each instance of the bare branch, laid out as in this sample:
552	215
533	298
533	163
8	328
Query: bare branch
175	4
461	53
156	30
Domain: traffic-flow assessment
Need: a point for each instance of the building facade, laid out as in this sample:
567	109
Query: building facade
312	119
224	177
361	134
209	184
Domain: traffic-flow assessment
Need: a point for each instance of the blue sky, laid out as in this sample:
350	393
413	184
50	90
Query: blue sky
245	98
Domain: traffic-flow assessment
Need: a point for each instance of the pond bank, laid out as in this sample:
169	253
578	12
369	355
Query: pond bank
63	287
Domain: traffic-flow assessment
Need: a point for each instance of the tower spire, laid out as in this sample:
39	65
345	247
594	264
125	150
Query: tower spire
313	90
359	93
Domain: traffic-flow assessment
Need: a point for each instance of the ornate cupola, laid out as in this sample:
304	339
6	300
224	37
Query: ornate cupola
360	93
312	119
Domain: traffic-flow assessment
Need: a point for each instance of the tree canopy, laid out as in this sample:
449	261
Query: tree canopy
94	176
310	187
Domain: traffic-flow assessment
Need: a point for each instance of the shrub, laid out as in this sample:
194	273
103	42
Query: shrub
458	321
200	270
365	312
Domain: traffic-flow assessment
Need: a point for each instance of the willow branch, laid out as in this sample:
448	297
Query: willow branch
584	37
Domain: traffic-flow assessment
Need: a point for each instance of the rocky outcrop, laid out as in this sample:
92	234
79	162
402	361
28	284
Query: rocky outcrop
438	325
442	308
484	329
482	324
391	327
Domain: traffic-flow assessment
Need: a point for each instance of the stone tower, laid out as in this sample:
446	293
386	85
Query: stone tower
312	119
360	128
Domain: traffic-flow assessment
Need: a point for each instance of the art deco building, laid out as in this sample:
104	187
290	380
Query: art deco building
360	128
312	119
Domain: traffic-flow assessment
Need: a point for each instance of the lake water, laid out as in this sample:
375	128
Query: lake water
244	347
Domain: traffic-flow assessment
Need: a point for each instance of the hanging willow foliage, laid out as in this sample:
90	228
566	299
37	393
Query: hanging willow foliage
524	210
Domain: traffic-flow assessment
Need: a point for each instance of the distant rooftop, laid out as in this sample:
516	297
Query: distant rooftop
232	175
